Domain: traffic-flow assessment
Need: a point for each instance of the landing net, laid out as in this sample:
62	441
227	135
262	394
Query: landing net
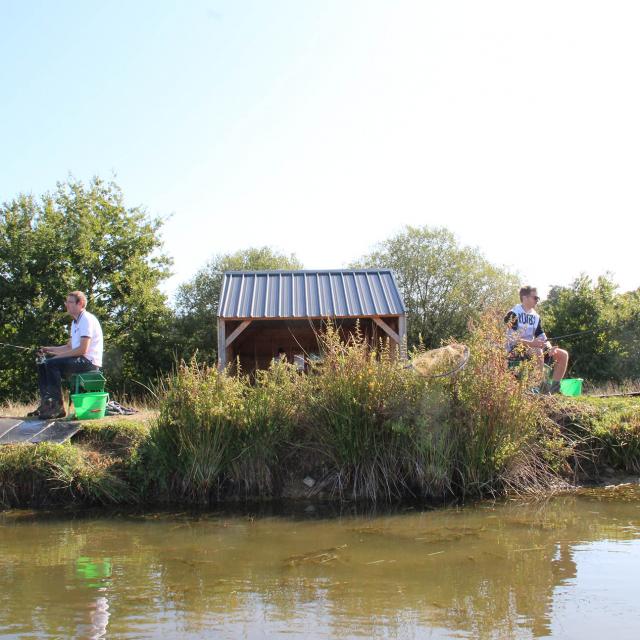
442	362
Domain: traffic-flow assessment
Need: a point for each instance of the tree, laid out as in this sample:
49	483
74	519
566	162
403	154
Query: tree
443	284
629	335
607	323
81	237
197	300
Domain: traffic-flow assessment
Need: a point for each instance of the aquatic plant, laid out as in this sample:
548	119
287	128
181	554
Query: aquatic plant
194	437
499	425
271	410
364	420
218	430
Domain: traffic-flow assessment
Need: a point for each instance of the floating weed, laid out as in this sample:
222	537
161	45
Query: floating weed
323	556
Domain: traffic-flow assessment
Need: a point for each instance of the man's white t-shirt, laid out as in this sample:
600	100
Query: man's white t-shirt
523	325
87	326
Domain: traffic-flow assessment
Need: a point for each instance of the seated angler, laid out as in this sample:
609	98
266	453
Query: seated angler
82	352
526	338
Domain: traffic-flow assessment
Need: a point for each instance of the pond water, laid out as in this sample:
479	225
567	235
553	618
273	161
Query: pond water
567	567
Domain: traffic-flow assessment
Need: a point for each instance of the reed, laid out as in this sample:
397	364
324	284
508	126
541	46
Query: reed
271	410
363	418
50	474
499	426
361	423
218	432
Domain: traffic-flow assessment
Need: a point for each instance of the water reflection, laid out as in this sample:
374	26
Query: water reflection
485	571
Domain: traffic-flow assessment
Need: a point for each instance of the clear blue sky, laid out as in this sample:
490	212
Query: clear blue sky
323	127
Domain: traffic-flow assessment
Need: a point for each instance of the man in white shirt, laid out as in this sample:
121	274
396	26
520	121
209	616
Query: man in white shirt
526	338
82	352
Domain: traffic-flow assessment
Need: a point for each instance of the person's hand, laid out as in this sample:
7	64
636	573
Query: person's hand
552	350
47	352
538	344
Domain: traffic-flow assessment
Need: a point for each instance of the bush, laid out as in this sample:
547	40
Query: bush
271	410
214	427
361	422
362	419
500	427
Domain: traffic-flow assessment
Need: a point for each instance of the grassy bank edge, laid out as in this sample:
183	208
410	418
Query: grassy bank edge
105	464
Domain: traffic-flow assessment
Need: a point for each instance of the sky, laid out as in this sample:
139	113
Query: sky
321	128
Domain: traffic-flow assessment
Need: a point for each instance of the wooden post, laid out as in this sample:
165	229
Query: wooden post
222	345
402	332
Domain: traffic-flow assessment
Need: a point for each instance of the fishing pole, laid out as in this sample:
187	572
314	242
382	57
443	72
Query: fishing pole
577	333
40	357
15	346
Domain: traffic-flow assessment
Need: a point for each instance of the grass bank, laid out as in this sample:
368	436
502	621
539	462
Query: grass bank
360	426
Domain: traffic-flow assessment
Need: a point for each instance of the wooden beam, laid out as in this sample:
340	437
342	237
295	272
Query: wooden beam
222	351
402	331
237	332
388	330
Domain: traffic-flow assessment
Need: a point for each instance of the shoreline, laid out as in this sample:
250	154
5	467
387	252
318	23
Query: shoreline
102	468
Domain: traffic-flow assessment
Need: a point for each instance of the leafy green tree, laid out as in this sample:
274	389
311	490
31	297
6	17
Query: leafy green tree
197	300
81	237
444	285
607	323
628	333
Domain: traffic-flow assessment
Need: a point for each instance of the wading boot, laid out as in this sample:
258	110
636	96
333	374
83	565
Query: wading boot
52	410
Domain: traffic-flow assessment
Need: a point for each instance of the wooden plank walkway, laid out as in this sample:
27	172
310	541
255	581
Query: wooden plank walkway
14	430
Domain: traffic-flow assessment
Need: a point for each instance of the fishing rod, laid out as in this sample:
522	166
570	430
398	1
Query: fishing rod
577	333
40	357
15	346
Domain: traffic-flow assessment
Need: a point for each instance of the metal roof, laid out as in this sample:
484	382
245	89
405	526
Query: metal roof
348	293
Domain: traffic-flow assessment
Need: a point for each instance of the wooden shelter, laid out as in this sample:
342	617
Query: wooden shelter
267	314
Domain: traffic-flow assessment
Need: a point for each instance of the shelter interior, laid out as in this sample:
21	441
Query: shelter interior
297	340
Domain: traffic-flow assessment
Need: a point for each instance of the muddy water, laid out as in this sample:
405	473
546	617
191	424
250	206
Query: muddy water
564	568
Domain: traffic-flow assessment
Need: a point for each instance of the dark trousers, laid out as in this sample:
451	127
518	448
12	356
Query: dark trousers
50	374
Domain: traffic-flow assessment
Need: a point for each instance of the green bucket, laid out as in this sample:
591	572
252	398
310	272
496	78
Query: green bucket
89	406
571	387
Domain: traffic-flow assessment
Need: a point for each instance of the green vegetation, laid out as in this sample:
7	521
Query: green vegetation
361	425
50	474
444	285
215	430
81	237
610	351
605	433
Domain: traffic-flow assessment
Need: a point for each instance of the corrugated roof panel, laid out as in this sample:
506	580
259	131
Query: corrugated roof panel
298	302
309	294
365	292
313	295
379	296
325	307
258	306
353	295
271	302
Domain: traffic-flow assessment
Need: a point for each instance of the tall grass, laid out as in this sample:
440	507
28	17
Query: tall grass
271	410
218	431
501	429
365	420
47	473
361	423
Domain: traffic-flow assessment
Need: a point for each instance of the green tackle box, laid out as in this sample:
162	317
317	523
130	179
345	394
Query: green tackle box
87	382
